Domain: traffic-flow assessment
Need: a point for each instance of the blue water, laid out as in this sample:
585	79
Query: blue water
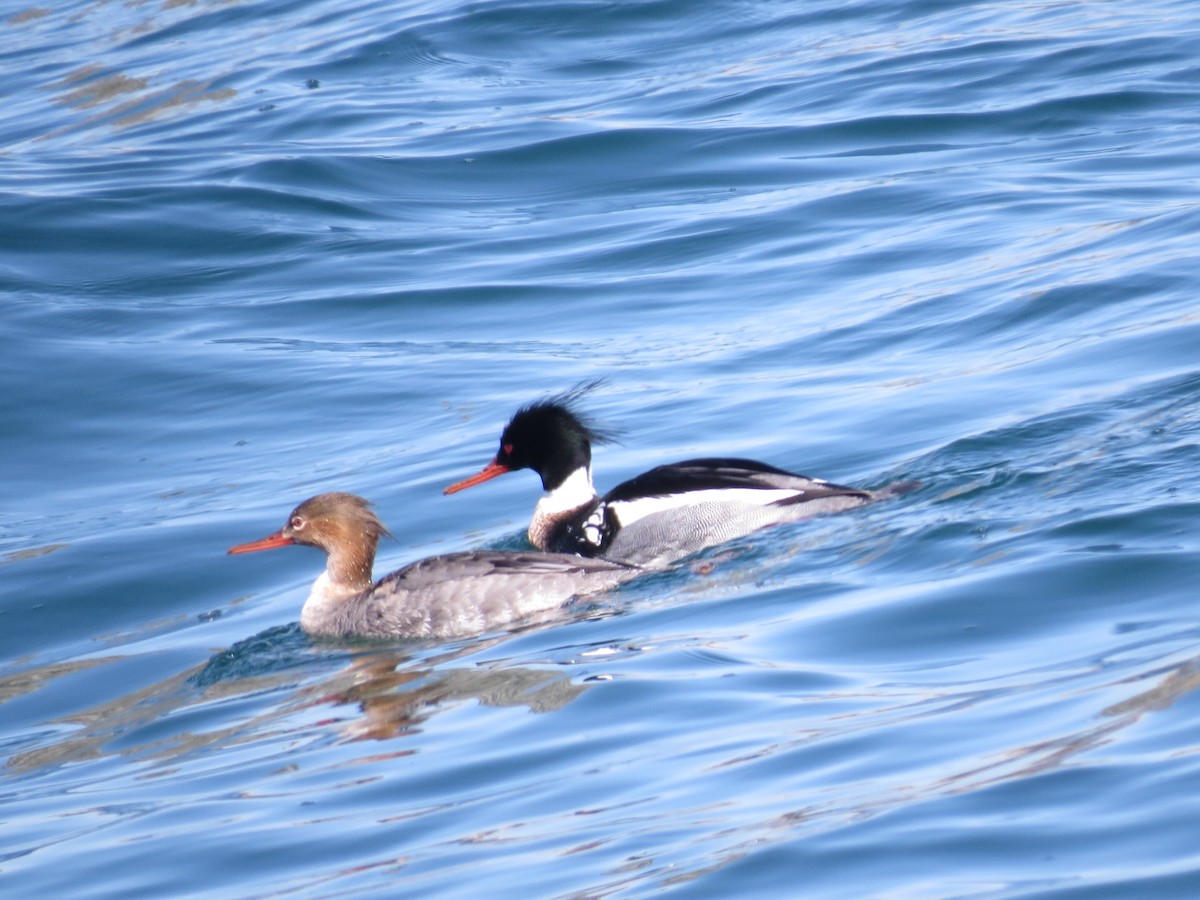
254	251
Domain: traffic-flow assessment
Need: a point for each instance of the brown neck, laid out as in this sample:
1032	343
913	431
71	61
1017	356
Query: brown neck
350	565
547	526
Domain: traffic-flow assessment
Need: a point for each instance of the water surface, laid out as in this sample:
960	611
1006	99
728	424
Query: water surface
256	251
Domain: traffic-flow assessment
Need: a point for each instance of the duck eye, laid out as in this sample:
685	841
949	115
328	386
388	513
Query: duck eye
507	448
297	523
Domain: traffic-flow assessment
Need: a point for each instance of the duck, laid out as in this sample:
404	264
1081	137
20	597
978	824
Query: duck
656	518
450	595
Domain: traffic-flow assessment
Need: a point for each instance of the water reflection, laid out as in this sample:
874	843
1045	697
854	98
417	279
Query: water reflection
142	102
1178	683
27	15
29	680
392	695
395	701
118	93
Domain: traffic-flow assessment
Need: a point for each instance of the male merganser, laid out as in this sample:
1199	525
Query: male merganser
661	515
443	596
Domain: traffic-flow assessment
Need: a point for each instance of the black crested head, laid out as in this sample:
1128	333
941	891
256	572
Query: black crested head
553	436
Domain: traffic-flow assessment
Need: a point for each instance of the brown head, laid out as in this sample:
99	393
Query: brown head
342	525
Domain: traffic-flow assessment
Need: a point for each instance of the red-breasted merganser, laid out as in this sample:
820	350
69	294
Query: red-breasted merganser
443	596
661	515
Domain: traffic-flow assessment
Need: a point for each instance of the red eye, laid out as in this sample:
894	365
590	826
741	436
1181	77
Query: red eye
507	448
297	523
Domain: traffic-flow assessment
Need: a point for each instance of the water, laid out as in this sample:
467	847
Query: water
255	251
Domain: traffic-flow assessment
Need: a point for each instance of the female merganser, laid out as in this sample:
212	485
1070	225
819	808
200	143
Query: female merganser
442	596
661	515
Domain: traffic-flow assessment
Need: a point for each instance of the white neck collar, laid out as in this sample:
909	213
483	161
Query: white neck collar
573	493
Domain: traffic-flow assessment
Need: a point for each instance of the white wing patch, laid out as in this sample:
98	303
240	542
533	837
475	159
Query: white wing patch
592	526
628	511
